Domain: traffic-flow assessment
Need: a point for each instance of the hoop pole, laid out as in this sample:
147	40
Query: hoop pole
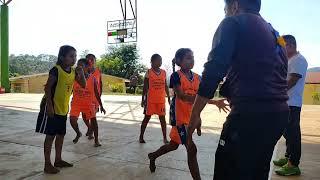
132	9
122	8
125	9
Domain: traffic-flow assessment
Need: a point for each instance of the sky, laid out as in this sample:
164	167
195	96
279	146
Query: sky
42	26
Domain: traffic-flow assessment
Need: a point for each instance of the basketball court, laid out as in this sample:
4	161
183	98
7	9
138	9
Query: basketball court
121	155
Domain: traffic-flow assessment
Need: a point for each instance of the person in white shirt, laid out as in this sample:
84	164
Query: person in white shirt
297	68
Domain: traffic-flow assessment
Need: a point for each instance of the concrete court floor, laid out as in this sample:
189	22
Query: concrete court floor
121	156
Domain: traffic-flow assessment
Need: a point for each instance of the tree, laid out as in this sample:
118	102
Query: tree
84	53
29	64
121	61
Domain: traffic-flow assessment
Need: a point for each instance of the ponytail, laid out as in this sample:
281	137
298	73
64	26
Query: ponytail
179	56
173	65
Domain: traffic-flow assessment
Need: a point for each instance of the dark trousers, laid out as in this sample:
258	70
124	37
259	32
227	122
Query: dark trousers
246	145
133	88
292	135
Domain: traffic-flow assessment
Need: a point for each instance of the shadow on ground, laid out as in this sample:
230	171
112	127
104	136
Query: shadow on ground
120	157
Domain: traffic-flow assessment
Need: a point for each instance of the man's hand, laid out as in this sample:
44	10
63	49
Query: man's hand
221	104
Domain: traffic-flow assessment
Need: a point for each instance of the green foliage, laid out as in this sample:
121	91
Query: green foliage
139	90
117	88
121	61
84	53
110	66
316	96
29	64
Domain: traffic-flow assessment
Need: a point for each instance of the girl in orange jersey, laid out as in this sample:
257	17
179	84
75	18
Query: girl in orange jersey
155	89
83	101
91	60
185	84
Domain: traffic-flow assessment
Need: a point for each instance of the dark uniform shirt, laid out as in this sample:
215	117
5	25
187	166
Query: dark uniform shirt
244	49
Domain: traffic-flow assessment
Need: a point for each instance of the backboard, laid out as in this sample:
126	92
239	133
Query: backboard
122	31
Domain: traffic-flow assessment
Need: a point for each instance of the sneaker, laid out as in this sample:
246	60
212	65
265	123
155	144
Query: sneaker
281	162
288	171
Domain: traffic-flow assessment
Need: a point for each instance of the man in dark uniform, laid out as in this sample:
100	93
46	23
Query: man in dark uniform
247	51
133	82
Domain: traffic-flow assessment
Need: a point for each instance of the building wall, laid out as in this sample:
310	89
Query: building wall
311	94
20	86
109	83
35	84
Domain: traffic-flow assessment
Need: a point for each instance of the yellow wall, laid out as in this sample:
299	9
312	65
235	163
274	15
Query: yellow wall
20	86
109	81
310	91
35	84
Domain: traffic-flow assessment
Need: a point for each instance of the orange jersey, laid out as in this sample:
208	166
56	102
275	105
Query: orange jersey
157	86
183	109
83	96
97	75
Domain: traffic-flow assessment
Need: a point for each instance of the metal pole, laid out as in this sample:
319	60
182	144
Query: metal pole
4	38
122	8
125	10
134	14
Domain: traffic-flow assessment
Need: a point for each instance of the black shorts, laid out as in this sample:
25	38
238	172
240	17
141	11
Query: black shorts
52	126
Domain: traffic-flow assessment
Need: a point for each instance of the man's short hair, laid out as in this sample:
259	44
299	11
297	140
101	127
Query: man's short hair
290	40
254	5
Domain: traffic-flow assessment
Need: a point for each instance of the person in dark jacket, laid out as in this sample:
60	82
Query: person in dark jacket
249	51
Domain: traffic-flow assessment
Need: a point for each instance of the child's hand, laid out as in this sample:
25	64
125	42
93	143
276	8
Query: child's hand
79	70
50	110
102	110
199	128
221	104
143	103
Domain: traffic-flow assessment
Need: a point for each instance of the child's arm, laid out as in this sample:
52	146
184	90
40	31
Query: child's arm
145	90
48	94
181	95
80	78
100	85
97	95
167	92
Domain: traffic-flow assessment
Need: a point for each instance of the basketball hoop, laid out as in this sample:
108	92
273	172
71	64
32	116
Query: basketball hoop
122	31
125	30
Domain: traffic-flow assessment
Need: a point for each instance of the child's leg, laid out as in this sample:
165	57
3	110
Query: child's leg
87	122
161	151
144	124
94	124
89	132
193	162
164	128
199	129
58	160
48	168
74	124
